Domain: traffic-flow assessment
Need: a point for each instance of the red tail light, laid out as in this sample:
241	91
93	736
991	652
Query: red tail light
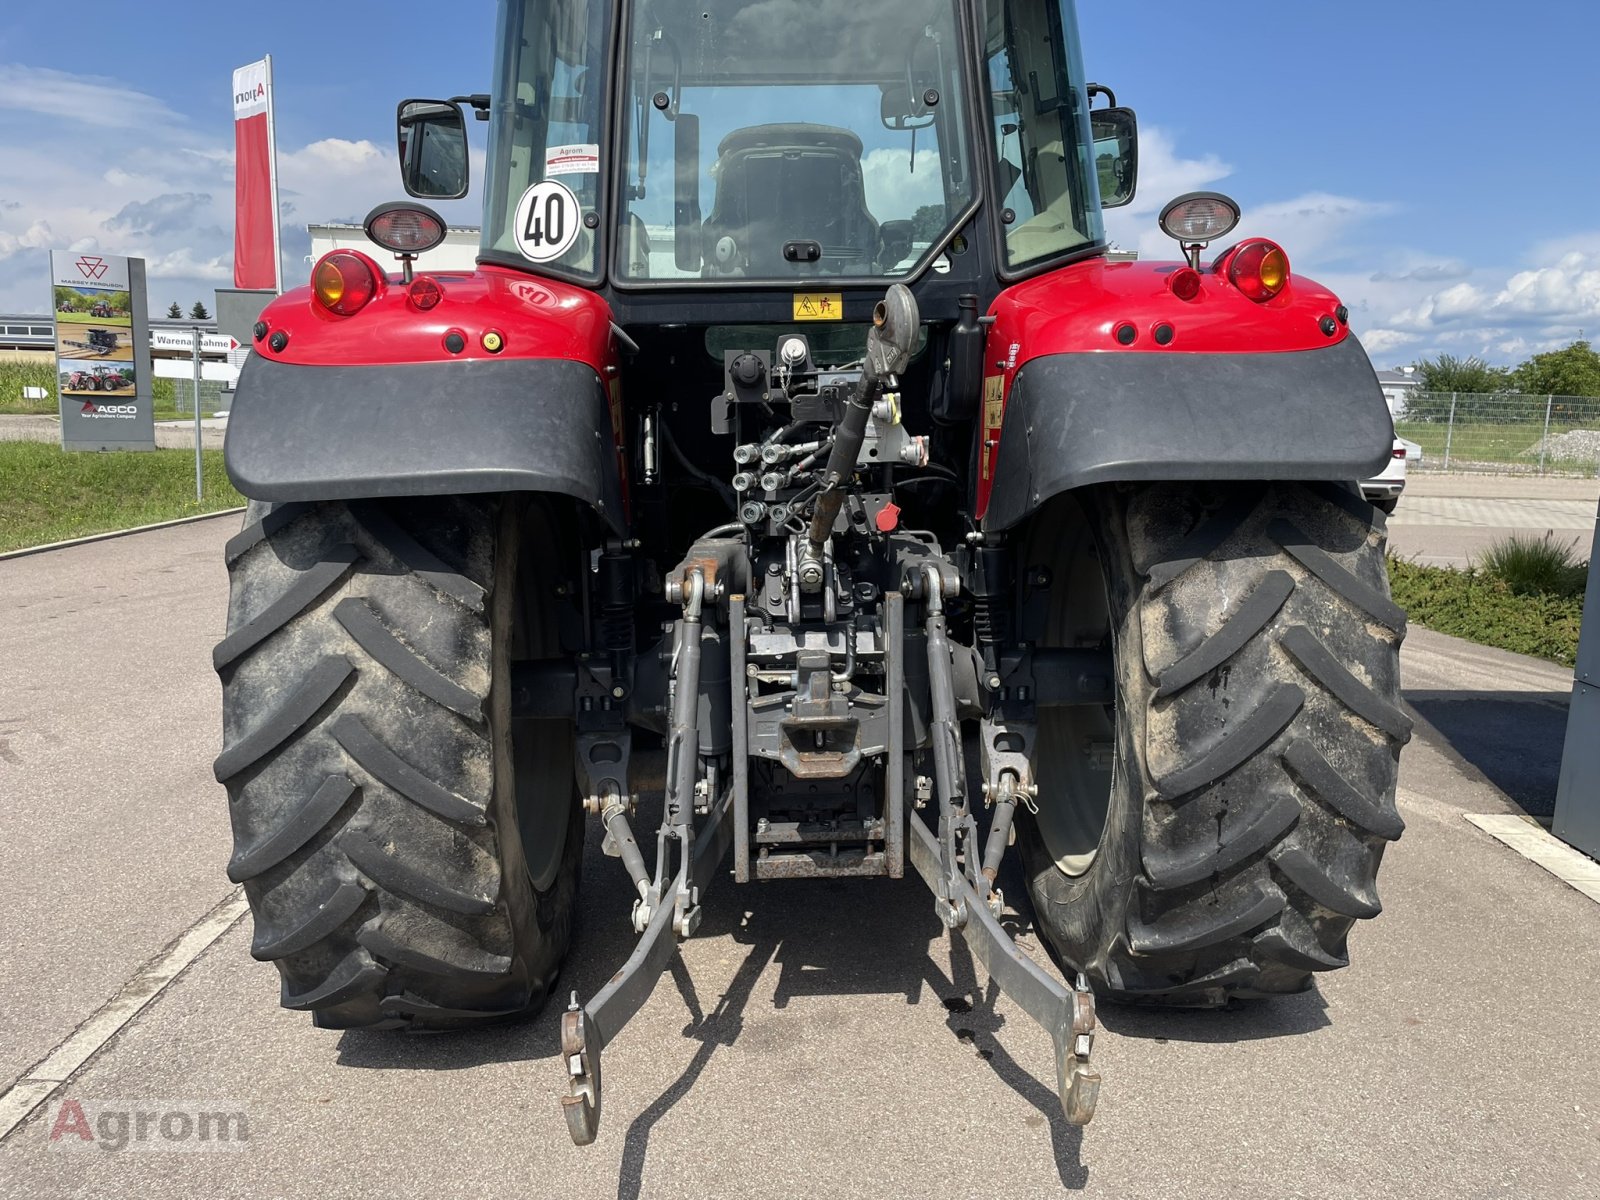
344	282
1185	283
1259	269
1399	451
424	292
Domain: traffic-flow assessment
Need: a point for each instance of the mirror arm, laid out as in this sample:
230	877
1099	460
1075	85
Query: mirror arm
479	103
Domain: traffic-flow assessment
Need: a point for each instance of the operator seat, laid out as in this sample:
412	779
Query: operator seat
777	184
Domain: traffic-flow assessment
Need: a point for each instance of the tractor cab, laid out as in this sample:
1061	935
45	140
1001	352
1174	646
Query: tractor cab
732	147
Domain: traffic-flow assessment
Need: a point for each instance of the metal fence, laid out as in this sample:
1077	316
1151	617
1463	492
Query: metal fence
183	396
1504	433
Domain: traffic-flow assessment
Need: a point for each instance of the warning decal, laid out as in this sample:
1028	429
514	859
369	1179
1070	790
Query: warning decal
819	306
994	407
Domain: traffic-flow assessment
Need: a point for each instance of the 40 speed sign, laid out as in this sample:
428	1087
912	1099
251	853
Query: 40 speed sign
547	221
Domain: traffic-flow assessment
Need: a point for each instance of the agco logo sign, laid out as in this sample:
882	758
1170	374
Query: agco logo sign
91	409
91	266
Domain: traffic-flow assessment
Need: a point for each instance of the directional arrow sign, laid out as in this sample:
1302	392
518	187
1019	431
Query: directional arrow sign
183	339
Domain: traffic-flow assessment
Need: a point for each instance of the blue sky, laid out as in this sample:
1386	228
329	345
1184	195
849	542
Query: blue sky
1437	165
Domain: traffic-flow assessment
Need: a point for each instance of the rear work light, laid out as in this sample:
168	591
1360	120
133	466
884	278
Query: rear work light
1199	217
343	282
1259	269
405	228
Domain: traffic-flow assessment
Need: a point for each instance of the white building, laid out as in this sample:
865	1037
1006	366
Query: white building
458	251
1397	387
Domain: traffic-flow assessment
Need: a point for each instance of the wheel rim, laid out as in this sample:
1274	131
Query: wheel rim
541	751
1075	748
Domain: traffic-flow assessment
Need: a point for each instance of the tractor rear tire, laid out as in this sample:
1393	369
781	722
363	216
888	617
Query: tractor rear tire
410	853
1217	833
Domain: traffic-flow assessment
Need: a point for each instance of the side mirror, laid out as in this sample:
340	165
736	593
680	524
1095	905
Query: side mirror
686	248
1115	134
433	149
894	243
899	110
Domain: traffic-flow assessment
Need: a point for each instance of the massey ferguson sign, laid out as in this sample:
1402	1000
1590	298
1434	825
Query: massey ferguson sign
102	351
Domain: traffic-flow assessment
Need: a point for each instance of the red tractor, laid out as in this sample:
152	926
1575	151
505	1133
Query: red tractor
97	379
797	428
102	309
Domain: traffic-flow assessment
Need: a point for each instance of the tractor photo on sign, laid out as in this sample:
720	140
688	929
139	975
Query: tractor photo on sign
796	440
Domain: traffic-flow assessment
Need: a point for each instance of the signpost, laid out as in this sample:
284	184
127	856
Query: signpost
102	352
199	485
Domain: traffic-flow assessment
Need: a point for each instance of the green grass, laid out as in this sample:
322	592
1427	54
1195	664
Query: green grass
1482	609
1511	442
84	318
49	495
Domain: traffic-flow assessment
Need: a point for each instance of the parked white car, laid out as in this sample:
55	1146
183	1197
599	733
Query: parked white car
1384	489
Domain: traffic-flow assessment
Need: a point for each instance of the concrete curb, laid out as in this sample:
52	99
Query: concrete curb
116	533
1575	869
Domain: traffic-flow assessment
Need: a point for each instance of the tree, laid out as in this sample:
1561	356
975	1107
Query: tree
174	311
1447	373
1574	371
927	223
198	312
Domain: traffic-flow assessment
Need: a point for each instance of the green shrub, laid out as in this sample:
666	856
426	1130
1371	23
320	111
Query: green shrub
1485	610
1532	566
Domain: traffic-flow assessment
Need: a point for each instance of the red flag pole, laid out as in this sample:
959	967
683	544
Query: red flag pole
272	168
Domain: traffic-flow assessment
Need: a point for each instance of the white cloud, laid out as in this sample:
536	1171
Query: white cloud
60	96
1381	343
1163	175
1502	314
894	190
141	181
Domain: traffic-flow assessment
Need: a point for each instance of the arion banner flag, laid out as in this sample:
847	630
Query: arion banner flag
255	228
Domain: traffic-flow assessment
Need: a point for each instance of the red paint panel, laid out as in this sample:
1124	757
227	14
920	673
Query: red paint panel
537	318
1080	308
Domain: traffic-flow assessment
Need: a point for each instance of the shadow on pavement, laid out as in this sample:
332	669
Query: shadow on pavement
1512	739
1237	1021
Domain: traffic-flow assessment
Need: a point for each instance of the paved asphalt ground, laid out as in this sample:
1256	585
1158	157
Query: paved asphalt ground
1448	520
819	1039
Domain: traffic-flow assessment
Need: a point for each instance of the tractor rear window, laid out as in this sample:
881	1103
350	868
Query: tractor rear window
548	119
785	141
1045	181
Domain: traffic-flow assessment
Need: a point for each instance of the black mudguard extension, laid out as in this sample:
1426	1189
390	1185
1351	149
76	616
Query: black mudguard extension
423	429
1077	419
